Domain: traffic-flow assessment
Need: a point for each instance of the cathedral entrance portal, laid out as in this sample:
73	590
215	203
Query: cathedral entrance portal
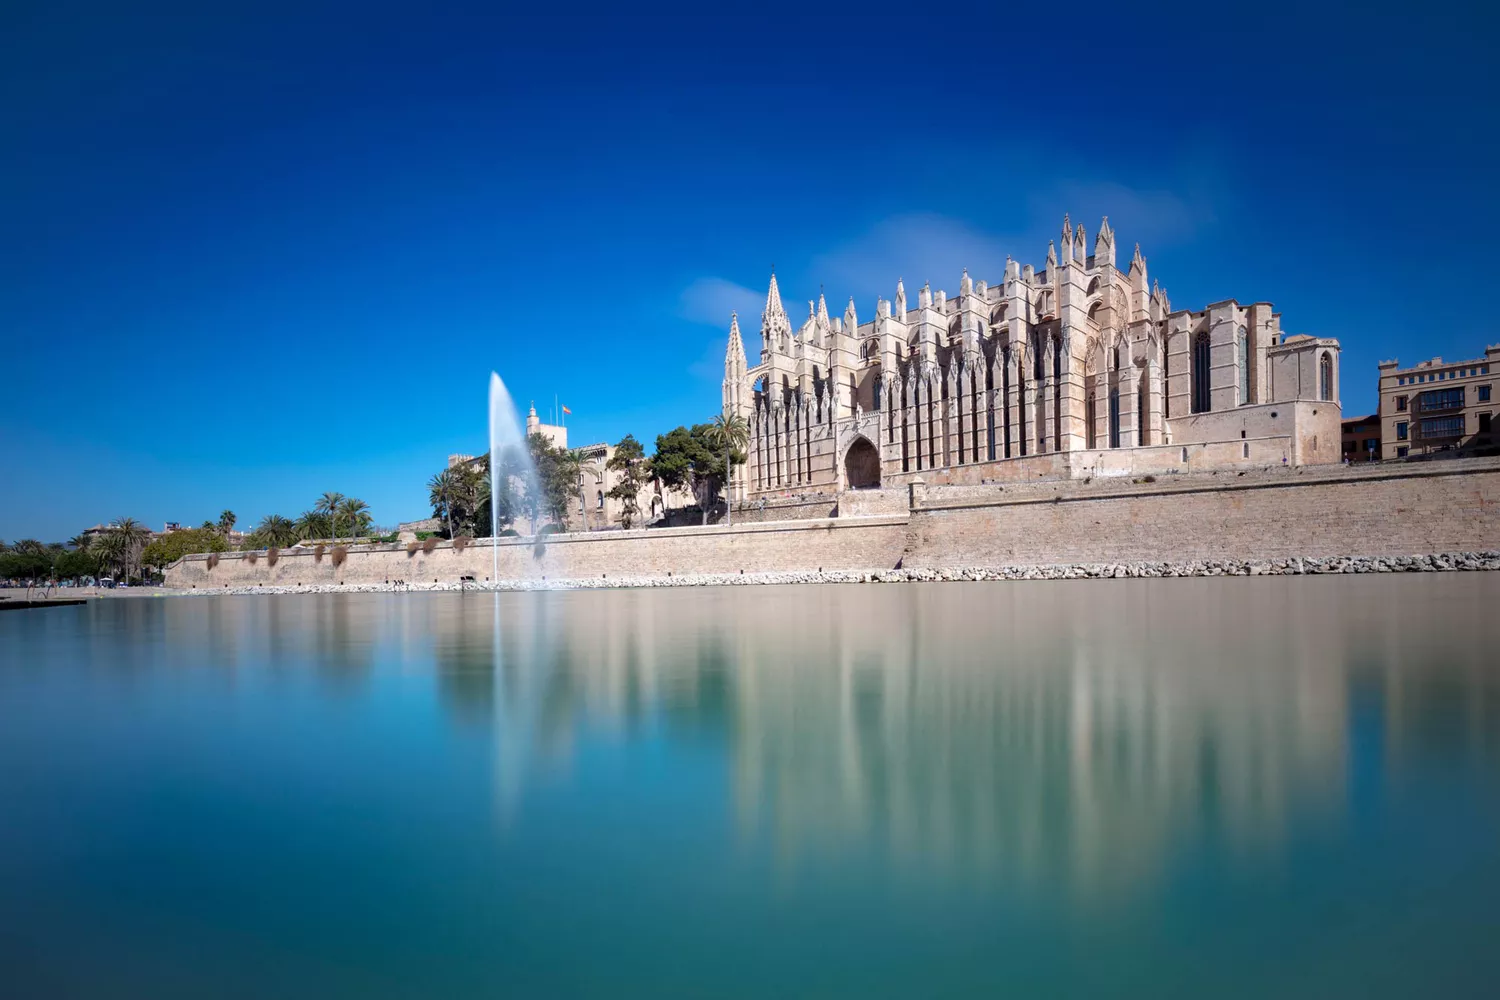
861	465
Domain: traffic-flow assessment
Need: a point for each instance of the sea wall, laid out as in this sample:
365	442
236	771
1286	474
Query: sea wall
1410	510
1265	514
843	543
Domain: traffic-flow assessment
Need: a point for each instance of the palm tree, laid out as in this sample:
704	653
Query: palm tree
81	543
311	525
328	504
356	510
276	530
109	549
226	523
730	432
133	535
208	526
440	490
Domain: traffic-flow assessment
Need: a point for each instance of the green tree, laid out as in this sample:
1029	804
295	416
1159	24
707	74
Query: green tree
74	565
108	550
556	479
330	504
30	546
312	524
18	565
169	548
356	513
441	491
731	434
691	458
226	522
275	530
629	460
80	542
133	536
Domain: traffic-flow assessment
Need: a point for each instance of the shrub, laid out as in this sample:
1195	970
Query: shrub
411	547
1149	479
339	555
272	554
252	556
213	560
510	533
422	536
461	542
318	551
550	529
429	543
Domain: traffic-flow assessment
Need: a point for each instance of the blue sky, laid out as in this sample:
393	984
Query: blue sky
248	257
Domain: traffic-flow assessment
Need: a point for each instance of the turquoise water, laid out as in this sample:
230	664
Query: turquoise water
1242	787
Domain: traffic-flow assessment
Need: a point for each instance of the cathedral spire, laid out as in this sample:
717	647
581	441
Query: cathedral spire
1051	255
1067	238
851	319
736	352
900	300
1079	245
775	327
966	284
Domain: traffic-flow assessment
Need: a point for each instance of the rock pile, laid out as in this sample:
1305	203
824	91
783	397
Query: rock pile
1445	562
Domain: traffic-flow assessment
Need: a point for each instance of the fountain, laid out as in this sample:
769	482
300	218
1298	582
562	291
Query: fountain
510	459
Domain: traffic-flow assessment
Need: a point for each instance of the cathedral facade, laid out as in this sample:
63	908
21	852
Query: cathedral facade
1080	369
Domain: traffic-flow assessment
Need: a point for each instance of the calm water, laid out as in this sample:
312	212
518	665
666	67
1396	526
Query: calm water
1155	788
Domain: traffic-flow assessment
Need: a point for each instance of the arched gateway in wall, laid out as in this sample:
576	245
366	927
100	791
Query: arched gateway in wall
861	465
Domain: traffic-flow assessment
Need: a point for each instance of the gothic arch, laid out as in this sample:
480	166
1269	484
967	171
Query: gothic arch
861	465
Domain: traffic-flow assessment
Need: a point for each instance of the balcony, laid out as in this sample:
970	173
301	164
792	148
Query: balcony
1440	401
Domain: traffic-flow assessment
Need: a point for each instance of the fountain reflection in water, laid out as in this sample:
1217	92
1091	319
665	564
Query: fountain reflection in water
511	467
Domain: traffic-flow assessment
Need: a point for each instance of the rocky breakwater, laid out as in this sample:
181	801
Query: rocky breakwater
1444	562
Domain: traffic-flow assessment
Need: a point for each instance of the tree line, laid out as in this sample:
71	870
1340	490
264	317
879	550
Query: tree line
700	458
126	548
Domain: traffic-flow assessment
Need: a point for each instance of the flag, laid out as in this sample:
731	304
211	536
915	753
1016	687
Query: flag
567	411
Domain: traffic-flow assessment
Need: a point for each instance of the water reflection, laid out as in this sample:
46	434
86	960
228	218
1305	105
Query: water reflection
1075	734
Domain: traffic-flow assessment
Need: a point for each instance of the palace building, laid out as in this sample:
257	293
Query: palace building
1079	369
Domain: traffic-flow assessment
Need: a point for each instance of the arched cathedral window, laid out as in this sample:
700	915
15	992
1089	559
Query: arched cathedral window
1242	361
1202	398
1325	377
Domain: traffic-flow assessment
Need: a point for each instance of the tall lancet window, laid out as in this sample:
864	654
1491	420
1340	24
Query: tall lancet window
1114	398
1325	378
1242	359
1201	397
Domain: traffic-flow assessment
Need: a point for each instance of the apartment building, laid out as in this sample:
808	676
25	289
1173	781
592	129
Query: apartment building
1439	406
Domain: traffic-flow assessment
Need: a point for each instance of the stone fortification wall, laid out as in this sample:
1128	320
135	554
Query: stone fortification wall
1253	515
871	503
798	508
857	544
1343	512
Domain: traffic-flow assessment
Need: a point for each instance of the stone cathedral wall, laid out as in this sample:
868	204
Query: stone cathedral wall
1276	513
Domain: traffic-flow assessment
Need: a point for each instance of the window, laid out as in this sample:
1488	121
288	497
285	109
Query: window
1443	427
1484	423
1401	431
1372	445
601	499
1484	394
1402	451
1201	397
1242	356
1400	404
1325	378
1440	399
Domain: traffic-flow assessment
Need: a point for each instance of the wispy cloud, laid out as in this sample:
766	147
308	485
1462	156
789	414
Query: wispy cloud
916	248
711	300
